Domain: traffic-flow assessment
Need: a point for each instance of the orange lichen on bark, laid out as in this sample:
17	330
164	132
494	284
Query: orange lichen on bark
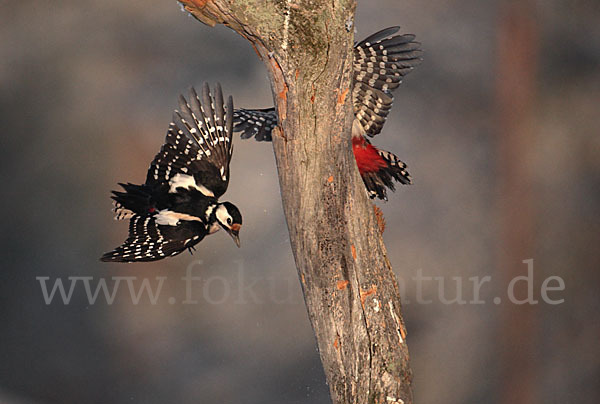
330	179
366	293
336	343
341	285
380	218
198	3
283	93
353	251
342	97
207	15
283	96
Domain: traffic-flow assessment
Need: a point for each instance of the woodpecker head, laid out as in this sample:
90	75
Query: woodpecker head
230	219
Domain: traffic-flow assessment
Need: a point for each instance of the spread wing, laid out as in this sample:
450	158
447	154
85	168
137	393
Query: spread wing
255	122
198	146
380	63
149	241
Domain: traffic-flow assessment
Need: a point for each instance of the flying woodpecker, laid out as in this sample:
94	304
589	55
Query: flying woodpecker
380	63
178	205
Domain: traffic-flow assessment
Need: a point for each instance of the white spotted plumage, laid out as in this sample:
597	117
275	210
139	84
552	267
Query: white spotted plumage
173	210
380	62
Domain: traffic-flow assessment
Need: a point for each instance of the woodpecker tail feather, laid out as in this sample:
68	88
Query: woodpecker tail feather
395	167
135	200
377	181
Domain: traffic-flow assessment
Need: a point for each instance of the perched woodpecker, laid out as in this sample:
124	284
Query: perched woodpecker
178	204
380	63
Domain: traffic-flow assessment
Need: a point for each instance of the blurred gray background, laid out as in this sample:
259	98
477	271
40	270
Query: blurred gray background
86	94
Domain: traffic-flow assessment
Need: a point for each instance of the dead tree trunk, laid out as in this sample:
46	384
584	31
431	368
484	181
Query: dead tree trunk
350	290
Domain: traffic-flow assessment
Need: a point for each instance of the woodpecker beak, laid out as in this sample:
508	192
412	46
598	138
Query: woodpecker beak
236	238
234	232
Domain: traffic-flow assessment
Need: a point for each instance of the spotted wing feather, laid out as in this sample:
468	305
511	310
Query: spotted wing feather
380	63
255	122
198	142
371	107
149	241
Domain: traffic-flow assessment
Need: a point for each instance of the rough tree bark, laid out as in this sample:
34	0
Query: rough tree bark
350	290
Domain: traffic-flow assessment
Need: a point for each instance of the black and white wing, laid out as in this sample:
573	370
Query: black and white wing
149	241
255	122
198	146
380	63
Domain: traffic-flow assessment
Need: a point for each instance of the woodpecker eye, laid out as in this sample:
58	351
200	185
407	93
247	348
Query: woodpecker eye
229	221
